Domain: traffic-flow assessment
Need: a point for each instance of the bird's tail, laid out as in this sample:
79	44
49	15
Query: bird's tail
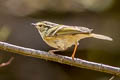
98	36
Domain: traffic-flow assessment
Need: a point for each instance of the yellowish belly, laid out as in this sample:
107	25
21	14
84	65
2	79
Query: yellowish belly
64	41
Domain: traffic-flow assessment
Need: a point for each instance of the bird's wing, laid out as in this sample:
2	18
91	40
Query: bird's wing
66	30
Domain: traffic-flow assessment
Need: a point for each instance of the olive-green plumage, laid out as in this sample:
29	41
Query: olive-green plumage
62	37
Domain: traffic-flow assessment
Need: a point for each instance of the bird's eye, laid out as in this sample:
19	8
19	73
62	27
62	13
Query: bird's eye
40	25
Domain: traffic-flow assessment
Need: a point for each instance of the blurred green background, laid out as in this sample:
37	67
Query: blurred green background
16	17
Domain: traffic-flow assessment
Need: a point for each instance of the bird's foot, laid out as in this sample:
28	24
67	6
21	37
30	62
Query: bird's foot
52	51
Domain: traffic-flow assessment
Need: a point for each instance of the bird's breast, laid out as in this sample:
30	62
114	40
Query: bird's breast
62	42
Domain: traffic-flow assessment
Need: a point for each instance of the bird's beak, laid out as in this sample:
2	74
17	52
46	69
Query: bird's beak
34	24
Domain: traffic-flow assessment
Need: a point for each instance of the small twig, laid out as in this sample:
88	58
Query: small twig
112	77
7	63
60	59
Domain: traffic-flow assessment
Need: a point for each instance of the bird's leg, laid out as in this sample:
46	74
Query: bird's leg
52	51
74	51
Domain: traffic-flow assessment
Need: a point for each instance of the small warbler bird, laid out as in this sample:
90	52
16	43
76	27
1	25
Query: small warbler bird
62	37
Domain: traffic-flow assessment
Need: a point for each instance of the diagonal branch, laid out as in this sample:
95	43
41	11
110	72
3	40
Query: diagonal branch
60	59
7	63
